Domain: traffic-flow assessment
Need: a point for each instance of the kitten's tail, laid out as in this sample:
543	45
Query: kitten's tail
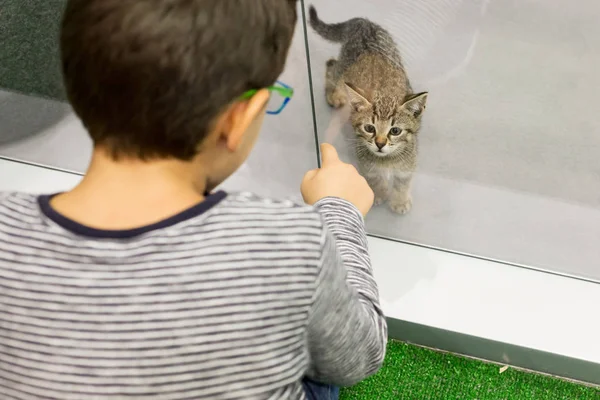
331	32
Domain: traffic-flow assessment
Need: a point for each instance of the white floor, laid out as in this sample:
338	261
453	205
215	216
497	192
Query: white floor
434	288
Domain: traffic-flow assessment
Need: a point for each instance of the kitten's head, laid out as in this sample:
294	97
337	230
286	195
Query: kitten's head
385	124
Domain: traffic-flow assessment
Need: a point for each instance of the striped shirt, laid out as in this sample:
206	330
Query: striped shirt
238	297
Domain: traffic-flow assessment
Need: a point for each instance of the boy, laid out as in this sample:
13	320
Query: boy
143	283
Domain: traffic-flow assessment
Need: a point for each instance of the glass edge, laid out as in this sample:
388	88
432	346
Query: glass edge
484	258
310	83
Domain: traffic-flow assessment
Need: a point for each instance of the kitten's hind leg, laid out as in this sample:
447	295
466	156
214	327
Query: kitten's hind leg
400	197
334	91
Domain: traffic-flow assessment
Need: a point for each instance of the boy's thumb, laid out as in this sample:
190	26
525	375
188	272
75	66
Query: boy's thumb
329	154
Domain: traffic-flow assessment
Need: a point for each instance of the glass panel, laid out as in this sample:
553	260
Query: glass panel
46	132
286	148
508	163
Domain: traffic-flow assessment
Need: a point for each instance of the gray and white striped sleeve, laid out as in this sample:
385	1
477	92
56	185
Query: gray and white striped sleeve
347	331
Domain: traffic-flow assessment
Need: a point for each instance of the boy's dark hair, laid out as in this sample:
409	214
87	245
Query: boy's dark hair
148	77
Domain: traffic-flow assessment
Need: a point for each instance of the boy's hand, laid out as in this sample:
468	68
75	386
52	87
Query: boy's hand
336	179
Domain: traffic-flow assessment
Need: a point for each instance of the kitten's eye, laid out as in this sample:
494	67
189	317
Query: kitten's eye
395	131
369	128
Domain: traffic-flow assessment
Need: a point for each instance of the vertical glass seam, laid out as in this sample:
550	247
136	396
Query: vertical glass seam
310	82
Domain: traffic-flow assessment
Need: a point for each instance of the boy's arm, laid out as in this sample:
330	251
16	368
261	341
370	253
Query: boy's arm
347	331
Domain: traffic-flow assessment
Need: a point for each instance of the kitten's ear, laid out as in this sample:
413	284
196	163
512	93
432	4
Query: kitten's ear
357	100
416	103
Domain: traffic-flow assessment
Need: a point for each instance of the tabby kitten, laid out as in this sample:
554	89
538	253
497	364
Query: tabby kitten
385	113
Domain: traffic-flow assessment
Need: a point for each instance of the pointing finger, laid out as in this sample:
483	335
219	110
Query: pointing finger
329	154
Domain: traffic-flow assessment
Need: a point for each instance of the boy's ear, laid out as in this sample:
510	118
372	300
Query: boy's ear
416	103
241	115
357	100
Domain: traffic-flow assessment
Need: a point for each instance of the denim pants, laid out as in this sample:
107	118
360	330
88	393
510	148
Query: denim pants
320	391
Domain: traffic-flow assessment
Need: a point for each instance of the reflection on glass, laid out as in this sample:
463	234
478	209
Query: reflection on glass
507	164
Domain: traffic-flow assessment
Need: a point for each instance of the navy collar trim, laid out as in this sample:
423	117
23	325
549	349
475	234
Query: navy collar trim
209	202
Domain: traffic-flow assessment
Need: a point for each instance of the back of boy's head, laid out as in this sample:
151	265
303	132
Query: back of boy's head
149	77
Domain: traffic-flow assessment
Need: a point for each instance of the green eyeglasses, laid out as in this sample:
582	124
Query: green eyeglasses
276	104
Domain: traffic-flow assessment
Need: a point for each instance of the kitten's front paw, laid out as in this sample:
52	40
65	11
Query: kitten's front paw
401	207
336	100
378	201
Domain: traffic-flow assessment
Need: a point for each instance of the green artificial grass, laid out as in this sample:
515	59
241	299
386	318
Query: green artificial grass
415	373
29	54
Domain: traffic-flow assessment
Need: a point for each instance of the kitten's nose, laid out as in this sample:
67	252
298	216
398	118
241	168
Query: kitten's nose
380	143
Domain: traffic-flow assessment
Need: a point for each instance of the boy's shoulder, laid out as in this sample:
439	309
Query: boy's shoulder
17	198
19	208
255	200
14	203
280	223
252	203
281	213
